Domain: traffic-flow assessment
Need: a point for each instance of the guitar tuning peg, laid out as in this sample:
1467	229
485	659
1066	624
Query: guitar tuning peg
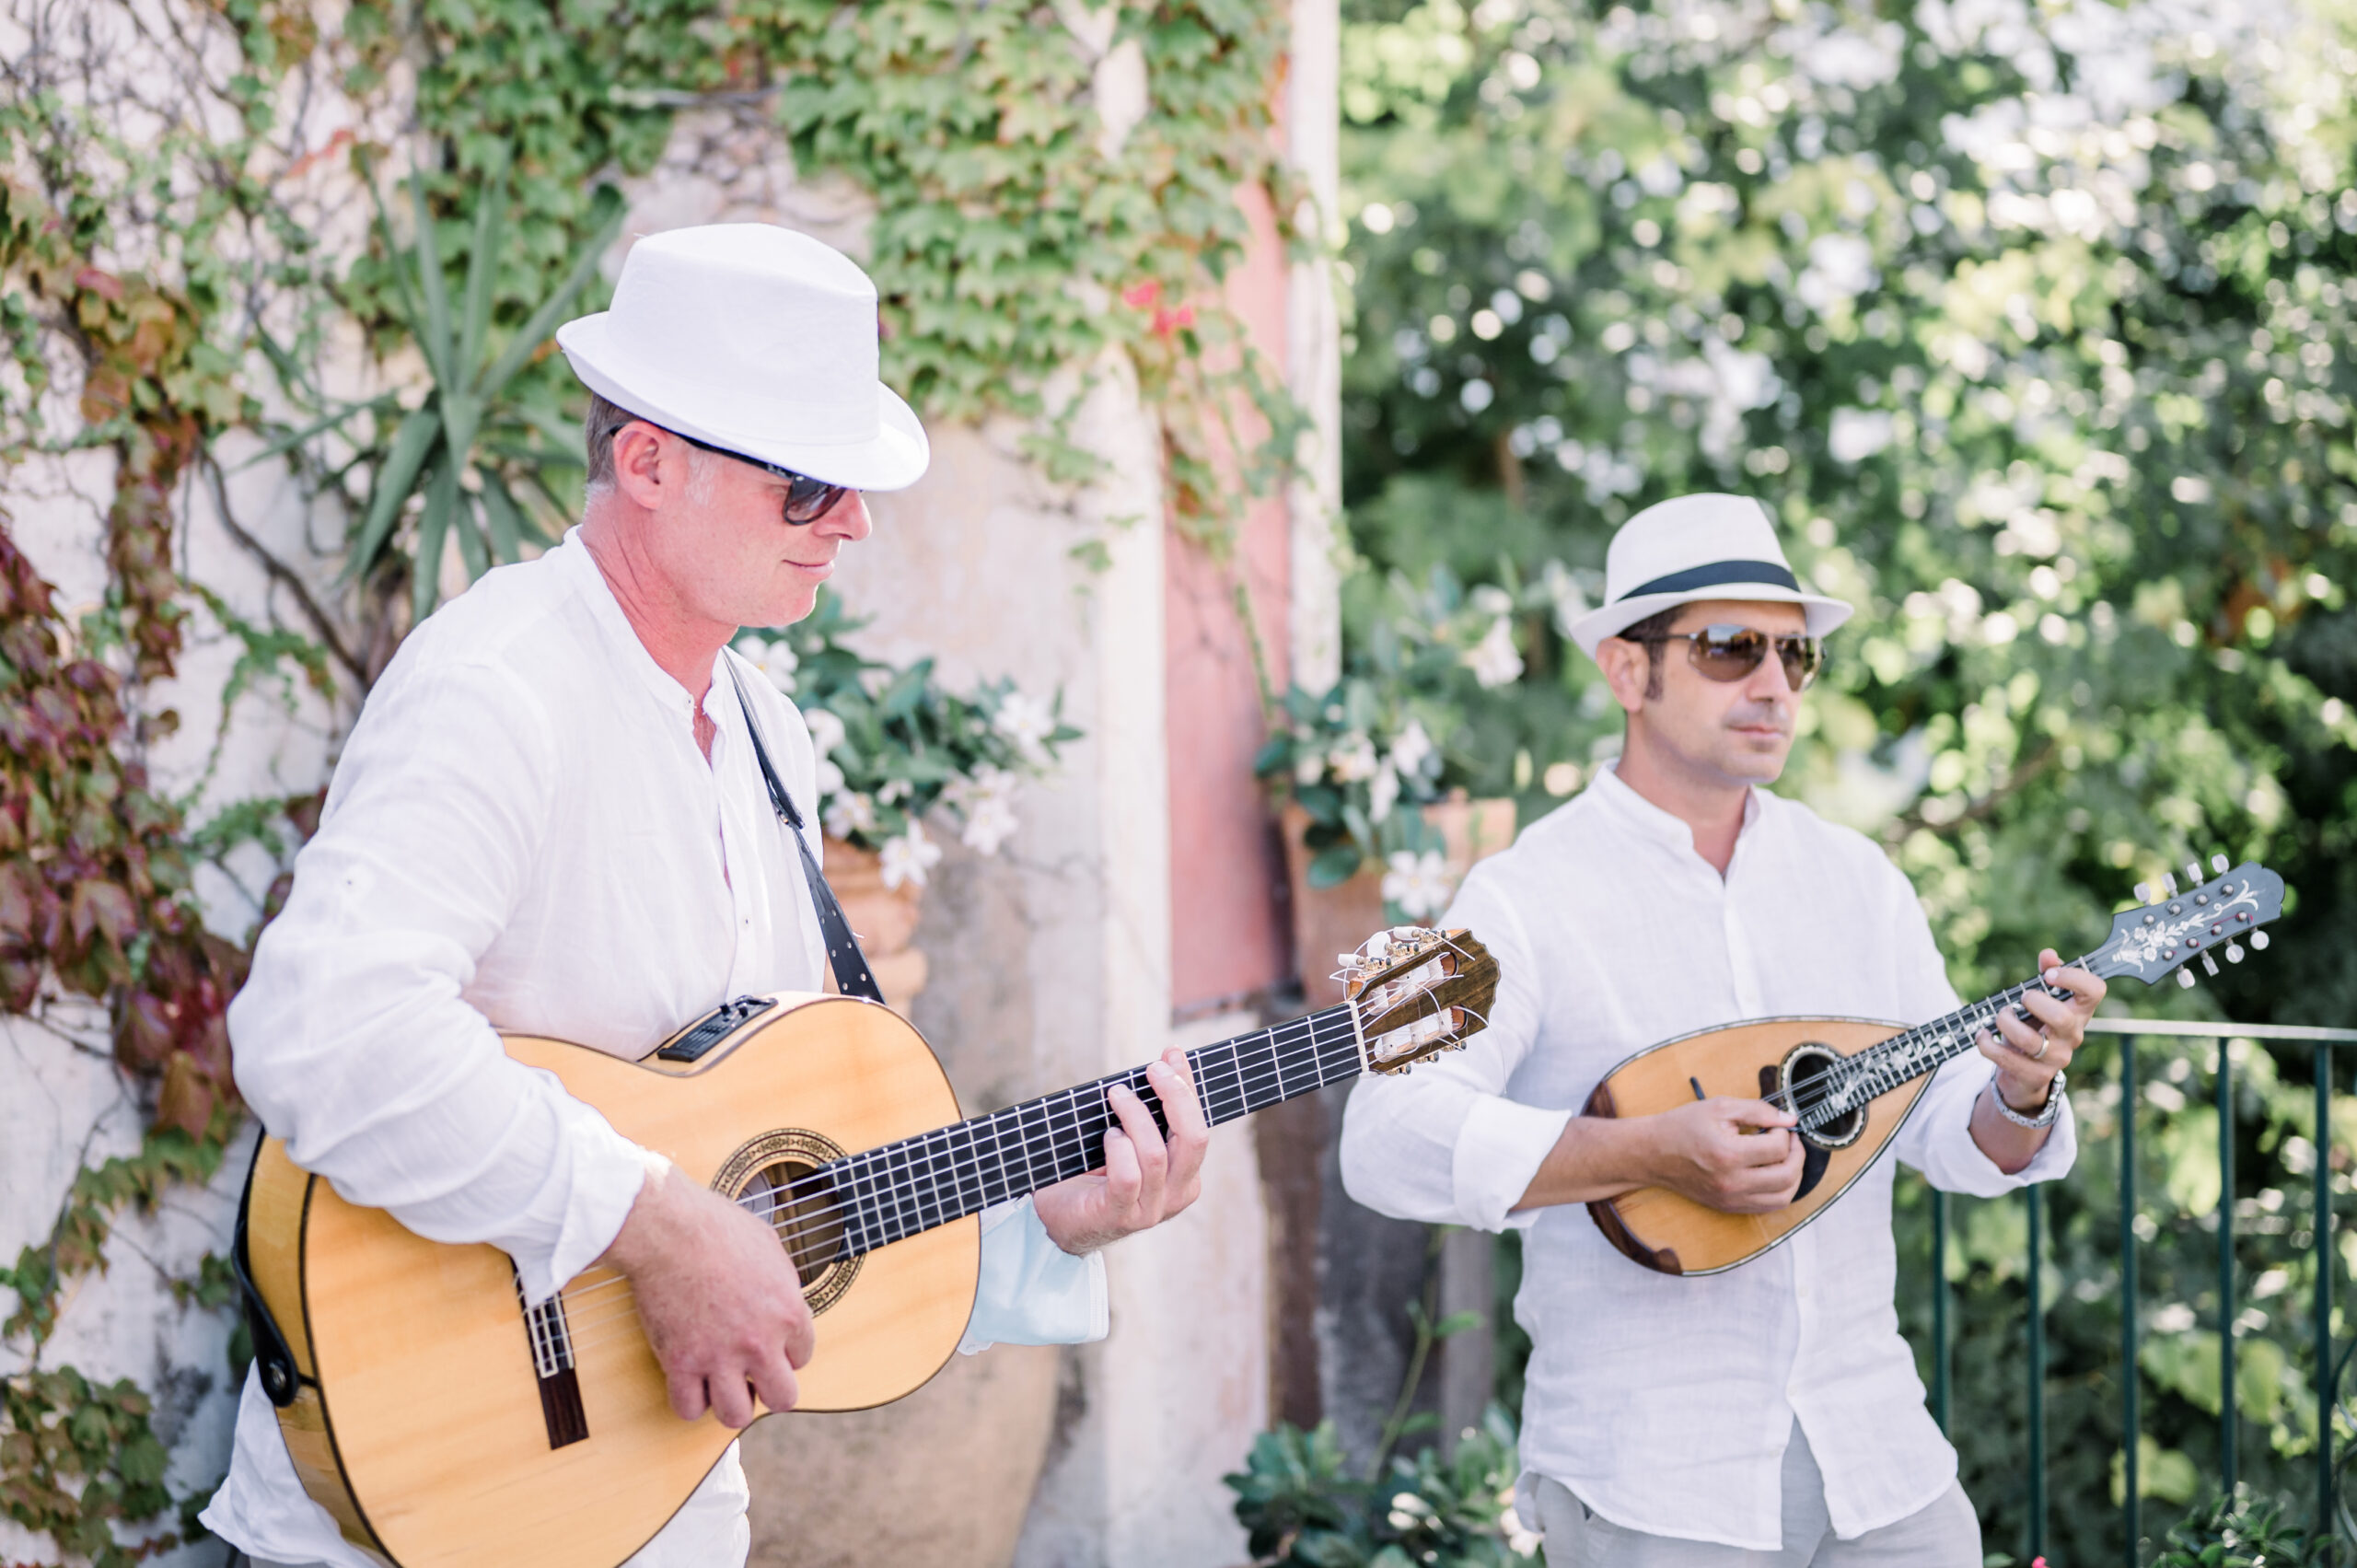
2184	979
2218	863
2233	952
2193	874
2168	881
2259	940
2210	964
2144	892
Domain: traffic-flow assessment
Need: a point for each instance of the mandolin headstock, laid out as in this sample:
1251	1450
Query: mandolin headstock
1415	993
2175	928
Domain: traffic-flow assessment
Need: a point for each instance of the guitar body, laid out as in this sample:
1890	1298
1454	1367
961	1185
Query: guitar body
423	1422
1673	1234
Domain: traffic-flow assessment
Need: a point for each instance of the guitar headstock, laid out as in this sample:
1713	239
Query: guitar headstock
2175	928
1415	993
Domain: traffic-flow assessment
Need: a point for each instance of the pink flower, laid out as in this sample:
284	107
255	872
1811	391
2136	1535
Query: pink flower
1139	295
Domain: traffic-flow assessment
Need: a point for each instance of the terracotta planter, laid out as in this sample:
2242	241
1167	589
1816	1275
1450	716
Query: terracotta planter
884	918
1329	922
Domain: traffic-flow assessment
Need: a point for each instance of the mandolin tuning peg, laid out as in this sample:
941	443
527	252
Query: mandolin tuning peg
2208	966
2184	979
2144	892
2219	863
2193	874
2168	881
2233	952
2259	941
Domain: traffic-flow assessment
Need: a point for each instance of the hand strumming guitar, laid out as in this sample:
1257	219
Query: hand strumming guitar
717	1296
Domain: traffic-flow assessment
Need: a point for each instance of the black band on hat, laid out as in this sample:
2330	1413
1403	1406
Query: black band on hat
1715	575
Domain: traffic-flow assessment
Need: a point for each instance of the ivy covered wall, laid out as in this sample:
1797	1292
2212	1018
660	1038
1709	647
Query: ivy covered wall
211	539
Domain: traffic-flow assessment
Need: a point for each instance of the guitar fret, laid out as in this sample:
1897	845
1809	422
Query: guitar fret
902	1188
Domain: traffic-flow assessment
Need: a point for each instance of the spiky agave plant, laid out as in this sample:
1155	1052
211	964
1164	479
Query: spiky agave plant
478	437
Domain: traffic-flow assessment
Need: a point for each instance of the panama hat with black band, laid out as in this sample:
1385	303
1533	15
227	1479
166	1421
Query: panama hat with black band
1694	548
757	342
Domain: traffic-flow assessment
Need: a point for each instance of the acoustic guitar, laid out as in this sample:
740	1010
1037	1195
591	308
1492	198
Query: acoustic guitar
1853	1082
444	1422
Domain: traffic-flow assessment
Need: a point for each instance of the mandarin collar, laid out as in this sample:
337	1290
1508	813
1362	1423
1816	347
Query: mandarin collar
1652	822
581	571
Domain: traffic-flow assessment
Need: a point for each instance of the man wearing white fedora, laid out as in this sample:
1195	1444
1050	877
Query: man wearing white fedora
552	818
1770	1414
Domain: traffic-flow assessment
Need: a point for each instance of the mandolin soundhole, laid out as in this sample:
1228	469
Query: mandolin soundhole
768	1175
1808	1075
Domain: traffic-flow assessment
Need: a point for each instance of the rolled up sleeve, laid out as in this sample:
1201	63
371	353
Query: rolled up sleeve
1443	1143
352	1037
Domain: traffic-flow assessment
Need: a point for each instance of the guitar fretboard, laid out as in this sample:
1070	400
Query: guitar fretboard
893	1191
1905	1057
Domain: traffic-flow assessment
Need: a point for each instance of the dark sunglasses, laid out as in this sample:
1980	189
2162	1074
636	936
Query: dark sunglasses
807	499
1730	653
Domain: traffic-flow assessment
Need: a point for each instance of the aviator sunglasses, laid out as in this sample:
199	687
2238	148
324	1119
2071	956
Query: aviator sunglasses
807	499
1730	653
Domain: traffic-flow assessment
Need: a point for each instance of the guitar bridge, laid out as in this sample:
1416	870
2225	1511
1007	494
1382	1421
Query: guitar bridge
552	1367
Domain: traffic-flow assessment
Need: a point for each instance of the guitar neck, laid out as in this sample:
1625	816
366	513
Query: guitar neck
889	1193
1909	1055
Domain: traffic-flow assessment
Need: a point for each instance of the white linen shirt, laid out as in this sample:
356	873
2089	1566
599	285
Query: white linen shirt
1664	1402
523	834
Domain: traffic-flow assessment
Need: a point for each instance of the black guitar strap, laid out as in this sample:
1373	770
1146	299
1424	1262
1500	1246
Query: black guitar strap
852	977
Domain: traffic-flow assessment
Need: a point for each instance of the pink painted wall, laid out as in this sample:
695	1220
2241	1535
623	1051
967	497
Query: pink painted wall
1228	930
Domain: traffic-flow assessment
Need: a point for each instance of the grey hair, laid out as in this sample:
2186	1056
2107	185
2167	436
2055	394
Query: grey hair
605	421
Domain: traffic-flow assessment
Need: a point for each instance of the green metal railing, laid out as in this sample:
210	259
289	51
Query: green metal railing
2328	1365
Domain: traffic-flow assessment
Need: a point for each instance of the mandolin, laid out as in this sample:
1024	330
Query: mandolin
444	1422
1852	1082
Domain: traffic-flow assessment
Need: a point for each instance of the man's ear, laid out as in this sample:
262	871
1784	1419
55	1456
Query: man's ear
1628	670
649	465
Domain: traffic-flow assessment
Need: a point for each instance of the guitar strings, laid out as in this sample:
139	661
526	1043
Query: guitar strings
1310	1040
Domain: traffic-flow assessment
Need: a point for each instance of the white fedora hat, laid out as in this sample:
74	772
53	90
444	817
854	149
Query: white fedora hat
756	339
1696	547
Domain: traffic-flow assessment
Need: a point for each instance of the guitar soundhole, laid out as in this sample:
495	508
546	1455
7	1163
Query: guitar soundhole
766	1177
1808	1077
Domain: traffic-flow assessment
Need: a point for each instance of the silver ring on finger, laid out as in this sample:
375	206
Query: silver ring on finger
2042	1043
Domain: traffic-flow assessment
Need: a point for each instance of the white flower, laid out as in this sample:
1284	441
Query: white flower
831	778
826	729
1352	759
908	857
1563	590
1384	793
1308	768
989	822
1494	661
1419	884
1410	746
986	803
1027	721
773	658
850	813
894	792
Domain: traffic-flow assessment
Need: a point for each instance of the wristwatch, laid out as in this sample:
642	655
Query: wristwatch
2046	1114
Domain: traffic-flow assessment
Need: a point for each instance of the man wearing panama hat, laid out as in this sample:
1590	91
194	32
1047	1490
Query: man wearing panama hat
1769	1414
553	818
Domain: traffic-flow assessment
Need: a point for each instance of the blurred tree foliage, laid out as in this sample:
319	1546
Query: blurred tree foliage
2031	323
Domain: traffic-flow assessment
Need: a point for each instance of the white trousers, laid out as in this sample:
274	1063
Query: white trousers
1946	1534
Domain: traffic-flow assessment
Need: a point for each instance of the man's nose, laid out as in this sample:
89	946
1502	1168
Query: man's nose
1769	681
847	519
